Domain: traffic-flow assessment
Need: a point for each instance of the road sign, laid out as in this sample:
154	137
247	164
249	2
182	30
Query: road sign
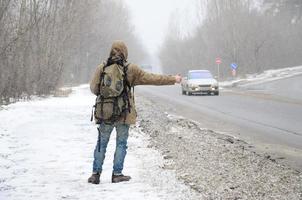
234	66
233	72
218	61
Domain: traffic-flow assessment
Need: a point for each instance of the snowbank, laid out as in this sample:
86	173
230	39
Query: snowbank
266	76
46	151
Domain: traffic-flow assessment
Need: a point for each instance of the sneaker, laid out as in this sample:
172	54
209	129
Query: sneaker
94	179
119	178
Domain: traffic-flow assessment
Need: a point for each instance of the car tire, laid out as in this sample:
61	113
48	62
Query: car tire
217	93
183	92
189	93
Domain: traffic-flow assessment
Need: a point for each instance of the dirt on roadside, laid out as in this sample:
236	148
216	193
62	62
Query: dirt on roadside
215	165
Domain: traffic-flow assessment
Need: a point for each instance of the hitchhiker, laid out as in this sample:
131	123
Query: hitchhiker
114	108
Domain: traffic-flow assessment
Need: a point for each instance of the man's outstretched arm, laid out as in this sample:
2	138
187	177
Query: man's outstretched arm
142	77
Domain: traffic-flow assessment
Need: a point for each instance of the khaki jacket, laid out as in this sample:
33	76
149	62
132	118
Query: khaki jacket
136	76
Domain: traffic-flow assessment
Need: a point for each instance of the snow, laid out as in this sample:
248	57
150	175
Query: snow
266	76
46	148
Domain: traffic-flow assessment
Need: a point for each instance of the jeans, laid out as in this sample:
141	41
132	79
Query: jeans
122	132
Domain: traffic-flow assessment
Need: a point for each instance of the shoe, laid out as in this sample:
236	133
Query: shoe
94	179
119	178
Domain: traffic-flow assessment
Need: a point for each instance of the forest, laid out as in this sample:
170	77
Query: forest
256	35
45	44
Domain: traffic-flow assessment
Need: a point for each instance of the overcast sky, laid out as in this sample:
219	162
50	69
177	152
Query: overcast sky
151	17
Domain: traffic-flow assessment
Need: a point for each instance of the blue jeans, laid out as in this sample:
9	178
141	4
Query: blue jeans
122	132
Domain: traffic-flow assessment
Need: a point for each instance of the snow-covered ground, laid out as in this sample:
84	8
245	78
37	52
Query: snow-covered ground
46	153
266	76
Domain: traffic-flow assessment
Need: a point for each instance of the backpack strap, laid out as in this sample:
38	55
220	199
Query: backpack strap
125	94
105	65
92	112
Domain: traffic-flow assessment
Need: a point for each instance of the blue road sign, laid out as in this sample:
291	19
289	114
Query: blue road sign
234	66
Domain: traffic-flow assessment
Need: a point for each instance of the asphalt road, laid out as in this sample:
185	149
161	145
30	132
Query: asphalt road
290	88
266	118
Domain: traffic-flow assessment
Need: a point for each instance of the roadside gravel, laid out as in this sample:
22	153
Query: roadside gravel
215	165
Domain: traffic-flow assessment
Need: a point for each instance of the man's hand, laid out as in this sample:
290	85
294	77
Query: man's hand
178	78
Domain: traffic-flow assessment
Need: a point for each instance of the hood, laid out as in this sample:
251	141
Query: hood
118	51
209	81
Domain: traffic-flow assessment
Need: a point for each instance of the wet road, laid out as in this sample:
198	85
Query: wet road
269	119
289	88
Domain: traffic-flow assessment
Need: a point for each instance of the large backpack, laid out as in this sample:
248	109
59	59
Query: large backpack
112	103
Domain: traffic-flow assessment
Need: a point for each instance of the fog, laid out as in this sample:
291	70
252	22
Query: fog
256	35
151	19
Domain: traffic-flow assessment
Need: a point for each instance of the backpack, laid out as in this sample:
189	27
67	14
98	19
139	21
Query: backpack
112	102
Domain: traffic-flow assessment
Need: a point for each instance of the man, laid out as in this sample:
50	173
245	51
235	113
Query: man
134	76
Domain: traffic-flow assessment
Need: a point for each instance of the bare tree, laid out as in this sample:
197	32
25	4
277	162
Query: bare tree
46	43
237	31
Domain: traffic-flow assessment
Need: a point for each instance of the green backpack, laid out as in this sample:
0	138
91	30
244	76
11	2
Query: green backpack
112	103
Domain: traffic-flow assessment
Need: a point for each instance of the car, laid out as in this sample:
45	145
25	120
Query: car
199	82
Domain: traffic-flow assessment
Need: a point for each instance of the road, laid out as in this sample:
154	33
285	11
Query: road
290	88
265	118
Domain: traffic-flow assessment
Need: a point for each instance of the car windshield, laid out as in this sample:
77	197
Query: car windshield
200	74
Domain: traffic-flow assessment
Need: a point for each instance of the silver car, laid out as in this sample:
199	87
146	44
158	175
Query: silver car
199	82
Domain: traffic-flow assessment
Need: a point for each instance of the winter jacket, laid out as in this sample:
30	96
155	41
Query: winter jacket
135	75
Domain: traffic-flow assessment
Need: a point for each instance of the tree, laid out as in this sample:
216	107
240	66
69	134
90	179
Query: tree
237	31
49	43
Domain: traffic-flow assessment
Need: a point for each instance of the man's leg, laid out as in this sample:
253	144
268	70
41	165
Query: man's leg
122	133
100	151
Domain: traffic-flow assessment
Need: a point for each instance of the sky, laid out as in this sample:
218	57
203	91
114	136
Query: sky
151	17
